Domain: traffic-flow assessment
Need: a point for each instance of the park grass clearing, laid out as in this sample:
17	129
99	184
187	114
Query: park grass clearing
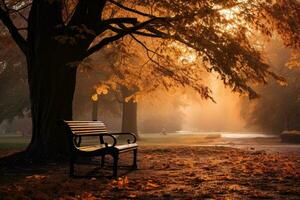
165	172
13	141
18	141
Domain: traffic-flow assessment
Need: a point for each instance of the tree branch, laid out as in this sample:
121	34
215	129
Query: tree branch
120	20
18	38
19	13
131	10
118	36
120	30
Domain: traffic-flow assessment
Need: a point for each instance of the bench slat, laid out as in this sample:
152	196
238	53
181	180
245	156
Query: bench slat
84	123
88	128
78	129
84	126
86	133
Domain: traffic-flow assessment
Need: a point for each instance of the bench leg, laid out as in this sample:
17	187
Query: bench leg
115	165
102	161
134	166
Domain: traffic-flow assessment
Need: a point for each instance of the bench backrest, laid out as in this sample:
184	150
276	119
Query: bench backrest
81	128
76	129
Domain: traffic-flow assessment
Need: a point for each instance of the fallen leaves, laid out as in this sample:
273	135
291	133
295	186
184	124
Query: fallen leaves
120	183
87	196
36	177
187	173
150	186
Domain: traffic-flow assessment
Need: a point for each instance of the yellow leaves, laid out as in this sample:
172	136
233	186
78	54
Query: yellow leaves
127	99
135	97
102	89
94	97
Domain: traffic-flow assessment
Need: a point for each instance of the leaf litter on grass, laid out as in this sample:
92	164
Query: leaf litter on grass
192	172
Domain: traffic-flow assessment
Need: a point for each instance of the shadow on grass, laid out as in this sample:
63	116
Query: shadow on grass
16	167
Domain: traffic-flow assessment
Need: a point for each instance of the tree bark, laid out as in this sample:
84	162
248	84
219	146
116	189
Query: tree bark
51	91
51	55
51	81
129	116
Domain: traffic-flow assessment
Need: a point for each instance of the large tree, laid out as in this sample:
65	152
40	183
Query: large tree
61	33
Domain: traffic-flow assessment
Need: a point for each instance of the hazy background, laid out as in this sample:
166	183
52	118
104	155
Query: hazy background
276	110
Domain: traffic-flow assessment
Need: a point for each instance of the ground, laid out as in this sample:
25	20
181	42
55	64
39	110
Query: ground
165	172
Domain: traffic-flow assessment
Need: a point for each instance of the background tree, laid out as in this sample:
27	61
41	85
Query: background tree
131	73
14	88
60	34
278	108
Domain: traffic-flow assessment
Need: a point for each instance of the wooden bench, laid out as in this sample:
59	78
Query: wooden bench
106	143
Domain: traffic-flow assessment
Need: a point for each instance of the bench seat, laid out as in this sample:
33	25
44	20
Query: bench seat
79	132
124	147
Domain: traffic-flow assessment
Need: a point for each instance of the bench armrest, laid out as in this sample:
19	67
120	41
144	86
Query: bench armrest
129	141
77	143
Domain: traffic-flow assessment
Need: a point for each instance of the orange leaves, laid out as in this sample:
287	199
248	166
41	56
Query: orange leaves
215	172
36	177
150	185
120	183
87	196
294	61
100	90
234	187
94	97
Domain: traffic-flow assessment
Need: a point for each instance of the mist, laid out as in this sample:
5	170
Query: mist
183	109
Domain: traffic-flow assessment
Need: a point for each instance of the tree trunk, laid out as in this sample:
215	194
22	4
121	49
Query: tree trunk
51	81
52	45
51	92
129	116
95	110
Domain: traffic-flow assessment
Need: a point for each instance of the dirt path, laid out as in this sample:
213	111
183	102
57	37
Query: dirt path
167	173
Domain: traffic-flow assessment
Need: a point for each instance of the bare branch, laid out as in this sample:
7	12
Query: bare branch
19	13
161	68
118	30
145	47
23	28
131	10
18	38
118	36
120	20
24	7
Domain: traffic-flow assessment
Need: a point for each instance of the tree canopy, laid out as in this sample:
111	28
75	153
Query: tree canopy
221	34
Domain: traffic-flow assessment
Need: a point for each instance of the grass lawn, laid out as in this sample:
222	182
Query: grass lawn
13	141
